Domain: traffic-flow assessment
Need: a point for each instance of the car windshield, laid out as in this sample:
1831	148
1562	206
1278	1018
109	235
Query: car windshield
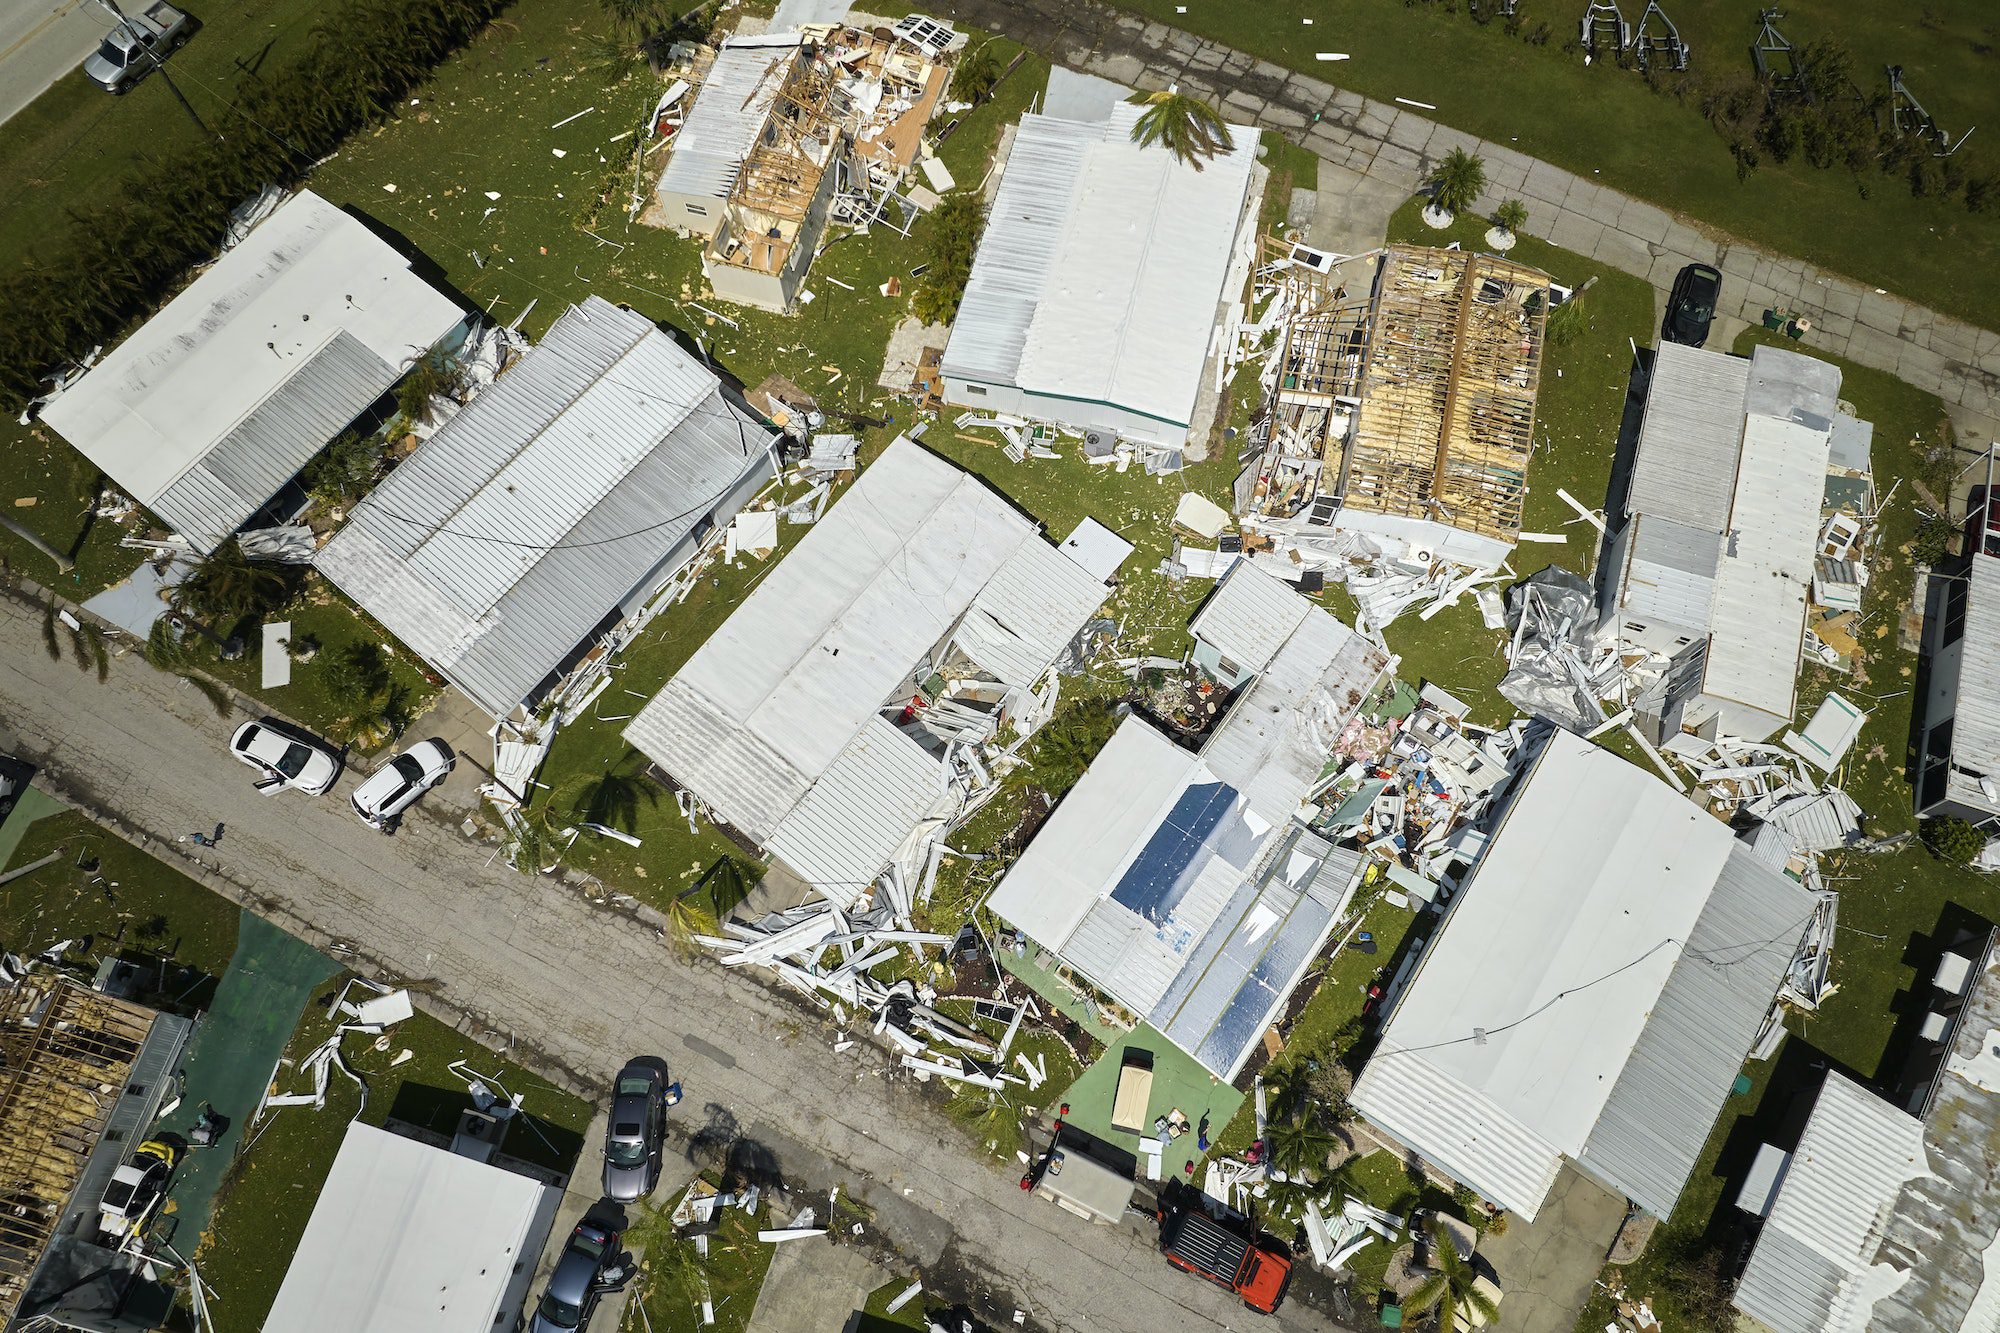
634	1087
631	1152
560	1312
110	53
293	761
118	1195
585	1243
410	769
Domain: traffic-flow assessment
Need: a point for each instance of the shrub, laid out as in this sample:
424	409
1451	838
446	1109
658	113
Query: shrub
976	76
342	472
1512	215
1953	840
1457	181
955	227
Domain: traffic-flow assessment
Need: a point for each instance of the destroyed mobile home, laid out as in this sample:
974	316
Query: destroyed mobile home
790	132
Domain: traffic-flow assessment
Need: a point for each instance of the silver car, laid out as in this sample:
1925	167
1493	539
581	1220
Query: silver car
393	788
590	1265
637	1130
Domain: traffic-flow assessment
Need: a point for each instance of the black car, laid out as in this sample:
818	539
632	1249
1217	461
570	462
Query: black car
590	1265
637	1129
1691	305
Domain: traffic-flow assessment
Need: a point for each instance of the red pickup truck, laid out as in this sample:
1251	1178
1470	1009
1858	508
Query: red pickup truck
1256	1267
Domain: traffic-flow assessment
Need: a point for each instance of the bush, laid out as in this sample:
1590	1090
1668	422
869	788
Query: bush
1953	840
955	227
1068	742
355	671
342	472
976	76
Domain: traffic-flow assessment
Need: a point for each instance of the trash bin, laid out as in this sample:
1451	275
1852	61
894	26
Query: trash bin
1772	319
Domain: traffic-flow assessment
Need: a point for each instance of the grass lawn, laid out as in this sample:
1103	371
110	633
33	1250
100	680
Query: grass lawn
1581	396
1606	125
123	902
875	1314
670	1282
269	1195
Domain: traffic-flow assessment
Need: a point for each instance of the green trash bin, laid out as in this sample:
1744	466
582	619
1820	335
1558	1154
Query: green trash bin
1772	319
1392	1316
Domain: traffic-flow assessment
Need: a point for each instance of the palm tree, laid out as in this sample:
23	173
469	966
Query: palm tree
1511	216
228	585
1300	1144
689	914
1186	126
1452	1289
1457	182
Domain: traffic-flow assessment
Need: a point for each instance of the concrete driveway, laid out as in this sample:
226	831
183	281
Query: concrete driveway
40	42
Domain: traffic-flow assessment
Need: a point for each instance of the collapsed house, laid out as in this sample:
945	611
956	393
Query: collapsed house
546	513
1182	883
1587	997
790	131
1881	1218
86	1075
408	1234
1399	404
1708	570
1099	280
208	411
853	704
1958	749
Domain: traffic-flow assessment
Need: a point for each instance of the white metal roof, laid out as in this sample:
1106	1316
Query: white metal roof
913	551
1689	436
1101	268
1765	571
1249	616
1975	736
728	115
1809	1269
217	401
497	546
407	1238
1504	1050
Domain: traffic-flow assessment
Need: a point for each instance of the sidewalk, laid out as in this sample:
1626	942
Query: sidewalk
1395	147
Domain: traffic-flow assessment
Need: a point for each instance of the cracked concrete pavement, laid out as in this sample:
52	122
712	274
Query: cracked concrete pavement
573	990
1395	148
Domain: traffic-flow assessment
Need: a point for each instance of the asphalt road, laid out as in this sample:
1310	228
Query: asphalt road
40	42
575	989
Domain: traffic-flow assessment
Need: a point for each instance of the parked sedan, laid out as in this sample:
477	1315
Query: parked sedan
395	787
1691	305
289	760
588	1267
638	1129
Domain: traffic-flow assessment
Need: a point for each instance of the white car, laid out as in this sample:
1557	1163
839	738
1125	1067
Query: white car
395	787
288	759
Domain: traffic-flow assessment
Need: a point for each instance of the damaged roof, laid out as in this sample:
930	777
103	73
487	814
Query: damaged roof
776	723
728	116
510	534
216	402
1179	882
1496	1067
1101	268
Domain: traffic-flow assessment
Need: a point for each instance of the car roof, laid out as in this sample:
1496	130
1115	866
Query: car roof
571	1280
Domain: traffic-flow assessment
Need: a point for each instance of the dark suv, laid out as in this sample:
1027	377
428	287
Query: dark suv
1691	305
591	1264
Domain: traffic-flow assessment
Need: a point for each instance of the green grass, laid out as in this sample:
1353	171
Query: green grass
875	1313
269	1195
735	1267
1604	123
128	905
1581	396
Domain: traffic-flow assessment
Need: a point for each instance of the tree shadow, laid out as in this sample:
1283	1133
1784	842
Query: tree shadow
613	800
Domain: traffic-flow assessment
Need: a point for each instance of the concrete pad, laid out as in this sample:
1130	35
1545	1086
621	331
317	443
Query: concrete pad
1352	210
813	1285
274	662
1546	1267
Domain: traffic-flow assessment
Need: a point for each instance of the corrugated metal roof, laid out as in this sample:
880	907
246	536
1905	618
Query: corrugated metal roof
1028	612
855	818
1975	732
773	698
213	404
1685	467
1249	616
1669	572
1107	267
1537	993
1024	230
1765	574
1853	1159
1660	1112
508	536
252	463
1792	386
728	115
1275	740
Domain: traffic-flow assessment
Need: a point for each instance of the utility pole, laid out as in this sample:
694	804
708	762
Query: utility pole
159	64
